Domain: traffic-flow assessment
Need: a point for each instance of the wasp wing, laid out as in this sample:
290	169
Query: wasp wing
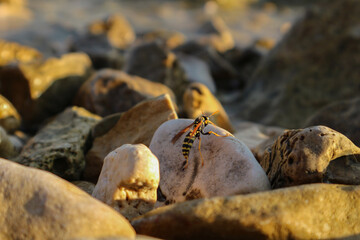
178	135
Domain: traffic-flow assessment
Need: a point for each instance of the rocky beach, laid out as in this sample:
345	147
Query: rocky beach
175	120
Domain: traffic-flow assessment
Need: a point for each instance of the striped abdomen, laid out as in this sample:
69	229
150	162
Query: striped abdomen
187	144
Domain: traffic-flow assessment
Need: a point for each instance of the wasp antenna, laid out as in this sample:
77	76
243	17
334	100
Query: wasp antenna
214	113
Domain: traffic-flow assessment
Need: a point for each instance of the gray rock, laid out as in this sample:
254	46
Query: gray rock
317	63
60	146
229	166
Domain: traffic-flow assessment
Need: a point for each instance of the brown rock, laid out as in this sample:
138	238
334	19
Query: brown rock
117	29
198	100
137	125
111	91
34	89
153	61
60	146
38	205
299	76
316	211
9	118
342	116
303	155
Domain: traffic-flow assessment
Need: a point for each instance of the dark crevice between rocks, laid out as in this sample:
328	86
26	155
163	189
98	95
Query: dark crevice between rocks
344	170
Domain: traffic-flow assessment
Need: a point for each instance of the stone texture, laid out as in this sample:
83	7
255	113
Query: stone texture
15	53
112	91
229	166
7	149
99	49
217	34
342	116
224	74
198	100
300	75
60	146
117	30
168	38
9	118
316	211
38	205
302	155
245	61
129	180
34	89
153	61
137	125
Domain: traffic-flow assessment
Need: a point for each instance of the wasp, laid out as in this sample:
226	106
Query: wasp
197	129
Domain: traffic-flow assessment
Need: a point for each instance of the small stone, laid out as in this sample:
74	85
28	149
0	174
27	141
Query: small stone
198	100
129	180
9	118
60	146
315	211
116	28
218	34
224	74
197	70
34	89
7	149
302	156
229	166
38	205
112	91
137	125
154	62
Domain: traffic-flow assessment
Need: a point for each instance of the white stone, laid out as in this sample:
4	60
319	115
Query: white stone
129	180
229	166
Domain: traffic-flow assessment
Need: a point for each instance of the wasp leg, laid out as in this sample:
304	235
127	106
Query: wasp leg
211	132
186	163
202	160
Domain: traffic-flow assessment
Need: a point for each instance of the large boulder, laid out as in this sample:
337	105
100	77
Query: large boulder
316	211
229	167
39	205
60	146
317	63
136	125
